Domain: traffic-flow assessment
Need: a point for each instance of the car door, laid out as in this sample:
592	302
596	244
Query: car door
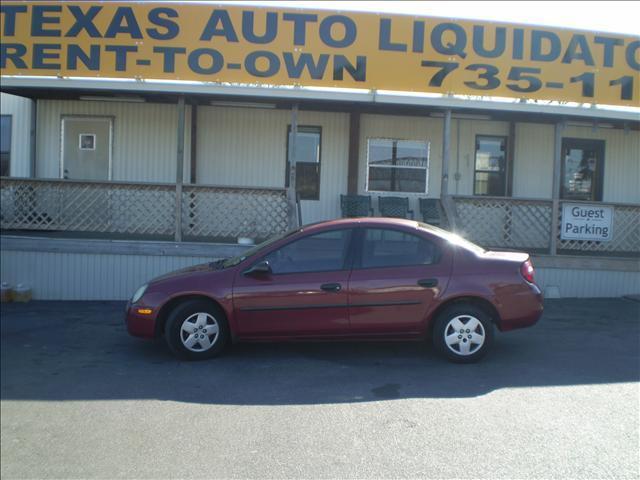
304	295
397	275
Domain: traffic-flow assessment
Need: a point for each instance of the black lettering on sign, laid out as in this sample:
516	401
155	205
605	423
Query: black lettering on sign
498	46
12	52
205	61
43	52
161	17
83	21
271	59
225	29
545	46
578	49
9	13
169	57
384	38
39	19
327	32
358	71
90	60
305	61
457	47
270	29
300	21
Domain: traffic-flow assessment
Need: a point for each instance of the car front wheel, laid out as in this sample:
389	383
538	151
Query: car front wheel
196	330
463	333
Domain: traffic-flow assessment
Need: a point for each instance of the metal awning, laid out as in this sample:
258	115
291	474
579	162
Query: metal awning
34	86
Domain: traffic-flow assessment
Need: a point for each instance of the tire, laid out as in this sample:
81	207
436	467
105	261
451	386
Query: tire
456	342
196	330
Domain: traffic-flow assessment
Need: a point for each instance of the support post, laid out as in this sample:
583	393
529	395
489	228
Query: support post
179	168
194	143
291	191
33	138
354	153
555	193
447	203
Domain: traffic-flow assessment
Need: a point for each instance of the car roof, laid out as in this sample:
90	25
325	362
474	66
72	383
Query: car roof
367	222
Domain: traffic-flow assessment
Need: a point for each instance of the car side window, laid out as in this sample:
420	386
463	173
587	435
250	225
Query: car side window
395	248
322	252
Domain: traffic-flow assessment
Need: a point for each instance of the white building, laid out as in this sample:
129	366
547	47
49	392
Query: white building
111	182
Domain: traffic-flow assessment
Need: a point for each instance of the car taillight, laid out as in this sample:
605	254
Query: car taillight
526	270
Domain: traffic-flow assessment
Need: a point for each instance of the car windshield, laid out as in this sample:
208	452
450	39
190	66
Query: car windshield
453	238
233	261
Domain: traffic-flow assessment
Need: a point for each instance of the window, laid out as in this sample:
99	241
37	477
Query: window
397	166
490	168
322	252
5	145
582	169
307	157
394	248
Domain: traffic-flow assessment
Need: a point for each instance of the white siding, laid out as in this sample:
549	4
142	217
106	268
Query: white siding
20	110
533	161
589	283
82	276
248	147
144	138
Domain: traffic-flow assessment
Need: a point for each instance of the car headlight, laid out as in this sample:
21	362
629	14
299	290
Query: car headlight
139	293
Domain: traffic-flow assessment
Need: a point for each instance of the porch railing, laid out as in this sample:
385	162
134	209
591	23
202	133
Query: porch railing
141	209
527	224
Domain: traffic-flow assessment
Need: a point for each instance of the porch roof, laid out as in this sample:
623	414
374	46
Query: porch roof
323	98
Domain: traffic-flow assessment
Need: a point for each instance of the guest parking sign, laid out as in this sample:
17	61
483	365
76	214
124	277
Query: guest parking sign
587	222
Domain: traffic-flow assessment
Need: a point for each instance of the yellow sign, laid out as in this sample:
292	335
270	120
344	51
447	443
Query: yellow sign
275	46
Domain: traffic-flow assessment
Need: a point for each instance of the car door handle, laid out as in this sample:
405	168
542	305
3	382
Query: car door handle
331	287
428	282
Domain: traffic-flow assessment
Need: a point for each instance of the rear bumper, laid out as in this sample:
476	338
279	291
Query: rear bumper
140	325
527	312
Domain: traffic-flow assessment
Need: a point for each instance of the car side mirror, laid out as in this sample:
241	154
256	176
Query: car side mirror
260	268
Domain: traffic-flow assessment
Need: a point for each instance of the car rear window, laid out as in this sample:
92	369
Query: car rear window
395	248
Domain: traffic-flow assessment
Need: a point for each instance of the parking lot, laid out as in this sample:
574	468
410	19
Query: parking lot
80	398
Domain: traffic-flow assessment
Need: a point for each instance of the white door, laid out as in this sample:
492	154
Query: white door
86	148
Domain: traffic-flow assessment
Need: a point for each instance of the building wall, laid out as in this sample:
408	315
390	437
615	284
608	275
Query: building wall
102	276
533	161
20	110
248	147
144	138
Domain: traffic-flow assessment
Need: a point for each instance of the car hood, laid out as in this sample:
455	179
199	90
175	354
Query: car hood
203	267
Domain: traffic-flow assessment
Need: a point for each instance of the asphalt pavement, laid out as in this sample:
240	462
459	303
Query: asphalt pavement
82	399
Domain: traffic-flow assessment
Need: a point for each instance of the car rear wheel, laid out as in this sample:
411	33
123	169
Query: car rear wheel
463	333
196	330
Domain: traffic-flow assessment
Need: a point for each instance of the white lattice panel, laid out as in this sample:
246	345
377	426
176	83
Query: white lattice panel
505	223
233	212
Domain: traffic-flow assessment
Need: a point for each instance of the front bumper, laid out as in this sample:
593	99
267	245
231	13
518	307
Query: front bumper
140	325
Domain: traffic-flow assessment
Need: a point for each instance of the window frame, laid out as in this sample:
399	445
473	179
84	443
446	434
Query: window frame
504	173
395	192
318	129
10	117
358	249
582	143
347	263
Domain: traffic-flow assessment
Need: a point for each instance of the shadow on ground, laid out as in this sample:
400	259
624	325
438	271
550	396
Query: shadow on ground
81	351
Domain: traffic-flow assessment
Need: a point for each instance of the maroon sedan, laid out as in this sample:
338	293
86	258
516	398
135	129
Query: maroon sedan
369	278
